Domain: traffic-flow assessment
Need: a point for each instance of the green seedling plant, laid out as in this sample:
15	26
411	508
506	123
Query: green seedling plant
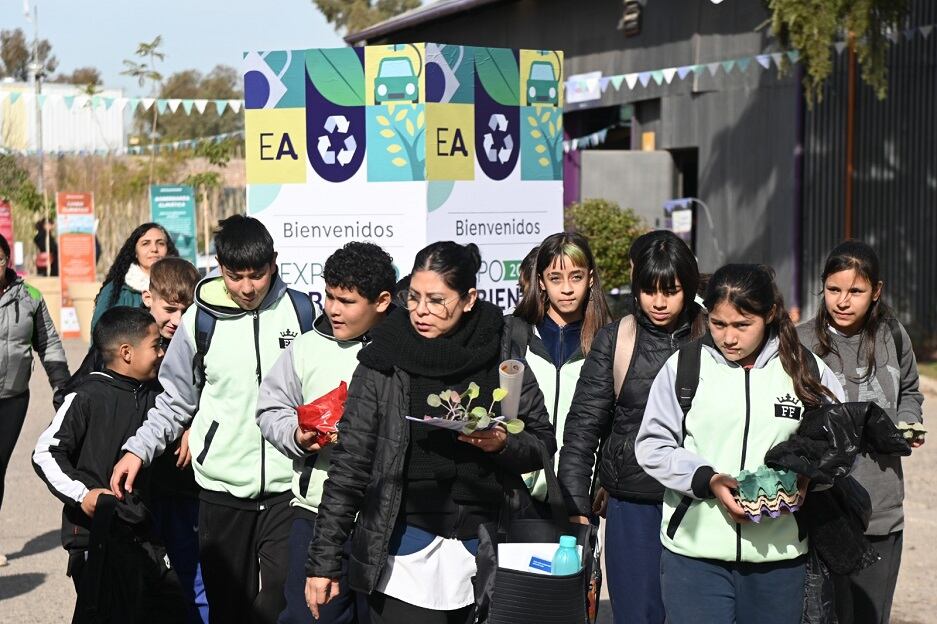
475	418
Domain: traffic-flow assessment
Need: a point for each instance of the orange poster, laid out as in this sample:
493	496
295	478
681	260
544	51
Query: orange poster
75	222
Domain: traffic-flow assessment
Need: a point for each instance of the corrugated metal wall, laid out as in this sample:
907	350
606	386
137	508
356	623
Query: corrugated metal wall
895	182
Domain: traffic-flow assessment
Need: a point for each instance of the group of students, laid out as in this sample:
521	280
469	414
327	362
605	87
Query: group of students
380	523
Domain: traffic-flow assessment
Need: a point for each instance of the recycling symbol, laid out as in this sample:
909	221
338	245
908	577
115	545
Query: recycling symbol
499	128
325	146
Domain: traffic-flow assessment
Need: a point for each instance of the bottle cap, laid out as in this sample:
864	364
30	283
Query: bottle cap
568	541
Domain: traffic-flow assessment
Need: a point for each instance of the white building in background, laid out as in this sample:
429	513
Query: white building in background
72	122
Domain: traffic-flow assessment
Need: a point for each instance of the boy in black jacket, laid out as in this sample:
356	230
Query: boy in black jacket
74	457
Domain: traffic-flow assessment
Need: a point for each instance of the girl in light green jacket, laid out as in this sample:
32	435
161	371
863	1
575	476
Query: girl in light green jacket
754	384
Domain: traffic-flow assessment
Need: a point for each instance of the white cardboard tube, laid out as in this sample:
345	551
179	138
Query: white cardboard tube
511	375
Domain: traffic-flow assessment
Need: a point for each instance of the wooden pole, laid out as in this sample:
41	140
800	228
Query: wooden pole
850	133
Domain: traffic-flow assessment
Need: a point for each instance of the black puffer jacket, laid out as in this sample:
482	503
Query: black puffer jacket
366	473
596	416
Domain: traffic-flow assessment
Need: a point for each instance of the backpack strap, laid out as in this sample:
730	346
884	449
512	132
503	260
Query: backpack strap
895	328
520	337
624	351
688	367
204	329
305	310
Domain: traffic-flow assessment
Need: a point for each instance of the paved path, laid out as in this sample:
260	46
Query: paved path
35	590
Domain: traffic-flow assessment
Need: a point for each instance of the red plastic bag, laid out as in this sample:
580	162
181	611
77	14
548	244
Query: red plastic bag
323	414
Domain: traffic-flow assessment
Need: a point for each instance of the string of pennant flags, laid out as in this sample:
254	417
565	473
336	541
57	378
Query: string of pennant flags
589	83
163	106
575	84
593	139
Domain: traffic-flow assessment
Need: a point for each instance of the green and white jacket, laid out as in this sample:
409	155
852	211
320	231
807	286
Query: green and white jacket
230	456
314	365
733	422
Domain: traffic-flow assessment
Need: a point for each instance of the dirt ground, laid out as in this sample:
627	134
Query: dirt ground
35	590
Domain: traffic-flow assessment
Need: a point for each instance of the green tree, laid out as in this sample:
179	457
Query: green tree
812	26
356	15
610	231
80	76
144	71
221	83
16	54
16	186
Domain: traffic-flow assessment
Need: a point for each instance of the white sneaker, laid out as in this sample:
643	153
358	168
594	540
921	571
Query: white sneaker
3	561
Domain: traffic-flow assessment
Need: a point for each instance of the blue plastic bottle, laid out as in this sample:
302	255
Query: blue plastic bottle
566	560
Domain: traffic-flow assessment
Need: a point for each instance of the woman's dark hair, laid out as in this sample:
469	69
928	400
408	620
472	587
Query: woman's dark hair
659	264
862	258
750	288
457	264
5	247
243	244
128	255
533	307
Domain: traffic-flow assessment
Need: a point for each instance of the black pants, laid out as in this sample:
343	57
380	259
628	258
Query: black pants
244	555
866	596
388	610
12	416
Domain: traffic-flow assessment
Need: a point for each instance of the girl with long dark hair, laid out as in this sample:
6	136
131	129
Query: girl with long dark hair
603	422
716	566
555	324
415	495
858	336
129	275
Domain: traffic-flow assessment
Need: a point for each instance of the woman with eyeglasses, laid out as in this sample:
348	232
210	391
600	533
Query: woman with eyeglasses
419	492
26	326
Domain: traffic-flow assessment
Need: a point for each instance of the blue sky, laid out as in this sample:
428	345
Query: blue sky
197	34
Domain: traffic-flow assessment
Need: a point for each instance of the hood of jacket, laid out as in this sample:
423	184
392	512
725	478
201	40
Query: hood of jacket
211	295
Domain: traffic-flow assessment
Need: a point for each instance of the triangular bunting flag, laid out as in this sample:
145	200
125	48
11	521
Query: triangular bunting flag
133	103
235	105
908	34
744	63
14	96
591	85
616	81
161	106
96	101
698	69
728	66
174	104
777	58
840	46
764	60
108	102
69	101
200	105
793	56
220	105
644	77
669	73
147	103
187	106
631	80
603	83
42	101
121	104
713	68
683	72
926	31
658	76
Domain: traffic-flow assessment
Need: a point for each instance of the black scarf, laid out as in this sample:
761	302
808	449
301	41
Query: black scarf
439	465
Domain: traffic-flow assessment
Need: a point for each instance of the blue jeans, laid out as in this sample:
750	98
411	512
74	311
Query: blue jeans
176	520
345	608
716	592
632	561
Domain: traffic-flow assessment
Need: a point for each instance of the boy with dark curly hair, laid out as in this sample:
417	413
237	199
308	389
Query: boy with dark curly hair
359	279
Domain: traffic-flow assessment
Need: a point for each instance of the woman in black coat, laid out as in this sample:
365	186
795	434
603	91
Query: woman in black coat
420	493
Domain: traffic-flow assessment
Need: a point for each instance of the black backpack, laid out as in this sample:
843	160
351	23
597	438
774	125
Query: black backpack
205	328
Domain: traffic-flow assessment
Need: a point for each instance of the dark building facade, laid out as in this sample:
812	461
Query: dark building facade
770	169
